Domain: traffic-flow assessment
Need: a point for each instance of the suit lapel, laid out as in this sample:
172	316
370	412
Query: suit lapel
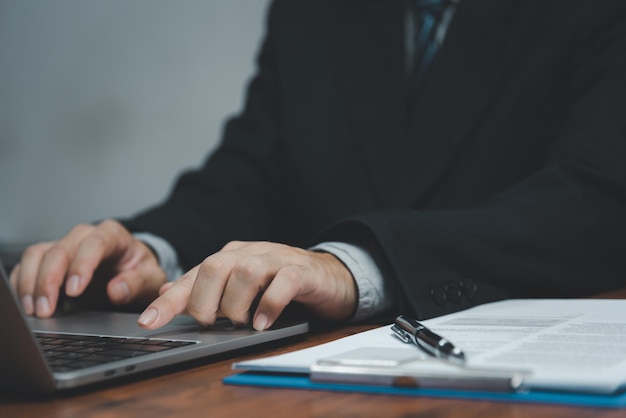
419	144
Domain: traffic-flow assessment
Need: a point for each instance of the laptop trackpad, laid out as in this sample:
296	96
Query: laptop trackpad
112	323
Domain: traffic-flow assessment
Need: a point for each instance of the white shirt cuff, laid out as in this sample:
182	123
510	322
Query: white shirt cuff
168	259
375	294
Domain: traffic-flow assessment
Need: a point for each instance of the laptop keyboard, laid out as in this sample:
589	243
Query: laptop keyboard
67	352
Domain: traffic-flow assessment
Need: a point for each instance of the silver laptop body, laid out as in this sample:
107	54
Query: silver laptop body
23	367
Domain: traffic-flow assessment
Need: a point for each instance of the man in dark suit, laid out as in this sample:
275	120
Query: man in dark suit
358	182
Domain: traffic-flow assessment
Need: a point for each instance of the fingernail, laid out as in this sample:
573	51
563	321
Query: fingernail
260	322
27	305
43	307
148	317
121	292
73	285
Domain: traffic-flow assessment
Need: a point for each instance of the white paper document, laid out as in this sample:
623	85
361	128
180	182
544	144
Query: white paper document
563	344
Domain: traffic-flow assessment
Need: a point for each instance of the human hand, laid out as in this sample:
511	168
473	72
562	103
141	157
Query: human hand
228	282
73	259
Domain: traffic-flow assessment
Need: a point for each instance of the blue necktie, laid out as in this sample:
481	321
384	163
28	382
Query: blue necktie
426	15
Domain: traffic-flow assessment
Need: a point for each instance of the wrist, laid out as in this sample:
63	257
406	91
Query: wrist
345	292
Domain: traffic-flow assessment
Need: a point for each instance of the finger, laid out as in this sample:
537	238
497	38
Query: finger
171	303
13	276
286	286
50	277
106	240
138	285
213	273
138	282
250	275
25	277
165	287
26	300
52	270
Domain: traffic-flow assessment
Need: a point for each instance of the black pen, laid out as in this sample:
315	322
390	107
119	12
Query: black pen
411	331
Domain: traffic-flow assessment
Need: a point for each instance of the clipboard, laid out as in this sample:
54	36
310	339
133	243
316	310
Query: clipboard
303	382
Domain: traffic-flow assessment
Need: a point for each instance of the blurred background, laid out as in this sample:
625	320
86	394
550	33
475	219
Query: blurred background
103	103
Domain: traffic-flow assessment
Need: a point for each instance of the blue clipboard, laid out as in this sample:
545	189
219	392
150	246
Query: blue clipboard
302	381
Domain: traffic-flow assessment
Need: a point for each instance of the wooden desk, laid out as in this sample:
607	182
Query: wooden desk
198	391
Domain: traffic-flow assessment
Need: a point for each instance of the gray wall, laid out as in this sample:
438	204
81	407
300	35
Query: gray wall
103	103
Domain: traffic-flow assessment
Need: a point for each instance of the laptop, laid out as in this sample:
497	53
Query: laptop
83	348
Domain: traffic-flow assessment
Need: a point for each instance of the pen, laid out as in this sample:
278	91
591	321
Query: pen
411	331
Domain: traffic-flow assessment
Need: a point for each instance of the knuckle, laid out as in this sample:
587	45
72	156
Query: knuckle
109	226
212	263
57	253
231	245
81	229
35	251
109	223
285	249
248	269
94	241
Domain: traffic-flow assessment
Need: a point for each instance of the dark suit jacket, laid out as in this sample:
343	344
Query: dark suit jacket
504	177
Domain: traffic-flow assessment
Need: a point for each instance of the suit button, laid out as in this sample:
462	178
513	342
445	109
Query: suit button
453	292
469	287
438	295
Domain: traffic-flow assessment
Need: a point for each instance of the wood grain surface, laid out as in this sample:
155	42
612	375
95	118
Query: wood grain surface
196	390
